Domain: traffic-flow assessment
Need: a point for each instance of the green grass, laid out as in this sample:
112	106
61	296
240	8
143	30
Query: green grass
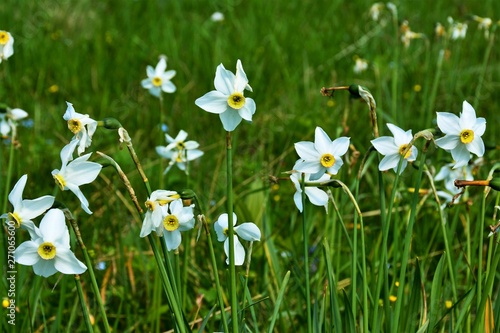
96	55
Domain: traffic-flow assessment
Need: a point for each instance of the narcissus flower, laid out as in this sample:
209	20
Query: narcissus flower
458	29
8	120
6	45
393	149
81	125
179	151
322	155
317	196
158	79
462	135
228	99
50	252
76	173
154	214
26	210
176	218
248	231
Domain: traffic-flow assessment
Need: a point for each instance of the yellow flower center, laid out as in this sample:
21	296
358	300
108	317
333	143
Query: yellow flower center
60	181
4	37
171	223
402	150
157	81
181	145
150	205
75	125
47	251
327	160
236	100
14	217
466	136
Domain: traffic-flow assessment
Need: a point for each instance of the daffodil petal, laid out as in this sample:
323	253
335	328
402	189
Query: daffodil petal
389	162
448	142
67	263
385	145
16	195
230	119
448	123
248	231
213	102
27	253
476	146
224	80
172	239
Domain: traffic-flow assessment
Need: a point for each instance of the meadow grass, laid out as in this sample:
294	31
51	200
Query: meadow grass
385	259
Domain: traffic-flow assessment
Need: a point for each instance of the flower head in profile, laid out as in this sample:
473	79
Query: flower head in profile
360	65
321	156
154	214
484	23
75	173
179	151
6	45
394	147
50	251
26	210
462	135
248	231
375	10
9	119
81	125
317	196
407	34
159	79
458	29
176	218
228	100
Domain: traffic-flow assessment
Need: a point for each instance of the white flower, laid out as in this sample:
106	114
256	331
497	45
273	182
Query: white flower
248	231
176	218
8	120
449	175
484	23
158	79
375	10
50	251
228	99
317	196
76	173
361	65
393	148
154	214
217	17
179	151
26	210
6	45
81	125
462	135
458	30
324	155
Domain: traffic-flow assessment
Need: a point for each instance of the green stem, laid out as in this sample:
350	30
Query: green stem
88	262
85	310
306	256
216	275
230	209
162	138
407	241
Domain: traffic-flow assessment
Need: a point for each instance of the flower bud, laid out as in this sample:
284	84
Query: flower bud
494	183
111	123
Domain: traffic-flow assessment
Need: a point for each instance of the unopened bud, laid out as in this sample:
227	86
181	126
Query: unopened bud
111	123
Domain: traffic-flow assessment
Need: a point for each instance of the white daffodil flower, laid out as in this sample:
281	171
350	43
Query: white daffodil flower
394	147
228	100
179	151
6	45
176	218
458	29
248	231
8	120
462	135
317	196
50	252
360	65
154	214
25	210
81	125
322	155
76	173
158	79
449	175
